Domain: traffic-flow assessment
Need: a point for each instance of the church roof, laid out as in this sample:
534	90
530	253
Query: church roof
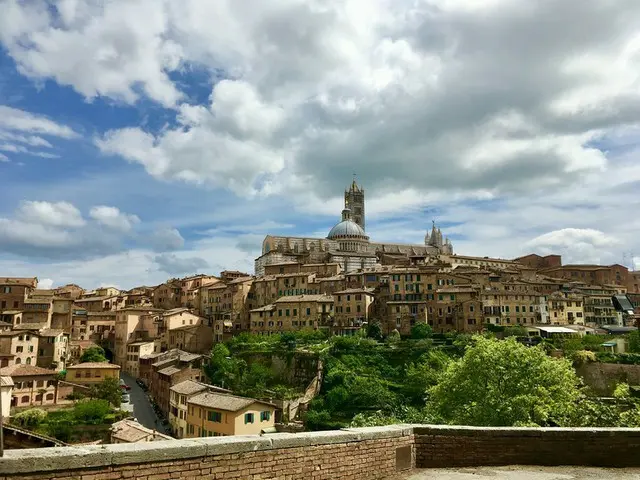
346	229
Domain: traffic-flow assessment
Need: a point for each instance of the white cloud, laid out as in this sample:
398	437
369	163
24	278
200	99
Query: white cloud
60	214
3	158
14	119
443	108
164	239
582	245
101	49
45	283
113	218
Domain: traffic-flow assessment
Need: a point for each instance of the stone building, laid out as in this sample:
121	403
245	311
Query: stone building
292	313
348	245
351	310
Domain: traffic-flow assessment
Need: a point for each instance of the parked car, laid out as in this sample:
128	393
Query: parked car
126	398
124	386
141	384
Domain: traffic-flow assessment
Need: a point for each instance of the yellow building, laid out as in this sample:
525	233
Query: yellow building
180	394
351	309
135	350
218	414
18	348
511	307
91	373
565	309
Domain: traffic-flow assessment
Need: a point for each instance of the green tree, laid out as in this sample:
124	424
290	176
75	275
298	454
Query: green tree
424	374
515	331
109	389
504	383
30	418
92	412
634	341
222	369
374	330
421	331
393	338
93	354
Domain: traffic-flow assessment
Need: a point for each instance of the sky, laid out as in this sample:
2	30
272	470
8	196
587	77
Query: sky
147	139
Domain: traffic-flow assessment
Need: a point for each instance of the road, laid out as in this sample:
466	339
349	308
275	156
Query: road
142	409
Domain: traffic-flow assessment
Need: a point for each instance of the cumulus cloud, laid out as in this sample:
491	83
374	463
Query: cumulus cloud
58	230
441	105
60	214
45	283
409	94
101	49
174	265
113	218
165	239
576	244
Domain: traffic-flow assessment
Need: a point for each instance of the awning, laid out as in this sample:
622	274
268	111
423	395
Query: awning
228	323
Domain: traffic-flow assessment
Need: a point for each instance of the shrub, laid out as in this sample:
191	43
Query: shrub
30	418
92	412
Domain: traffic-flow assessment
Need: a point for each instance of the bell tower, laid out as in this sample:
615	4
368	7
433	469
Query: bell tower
354	201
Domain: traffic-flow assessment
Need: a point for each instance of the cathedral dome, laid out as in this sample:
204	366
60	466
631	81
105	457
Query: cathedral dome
347	229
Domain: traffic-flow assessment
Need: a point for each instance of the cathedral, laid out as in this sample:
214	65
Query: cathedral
348	244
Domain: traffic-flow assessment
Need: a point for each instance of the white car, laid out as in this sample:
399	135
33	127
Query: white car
126	398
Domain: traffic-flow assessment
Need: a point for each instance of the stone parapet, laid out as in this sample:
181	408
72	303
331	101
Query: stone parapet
441	446
350	454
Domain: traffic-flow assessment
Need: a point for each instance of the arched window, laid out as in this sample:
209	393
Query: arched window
49	396
18	361
24	399
29	361
17	320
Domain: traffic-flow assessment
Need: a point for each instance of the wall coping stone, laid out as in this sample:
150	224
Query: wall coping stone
92	456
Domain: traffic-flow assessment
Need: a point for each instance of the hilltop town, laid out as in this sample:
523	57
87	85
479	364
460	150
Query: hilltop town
343	285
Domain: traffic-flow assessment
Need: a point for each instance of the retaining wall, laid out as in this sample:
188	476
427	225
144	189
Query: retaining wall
361	453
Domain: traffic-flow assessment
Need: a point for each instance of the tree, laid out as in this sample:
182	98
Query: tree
374	331
222	369
93	354
515	331
109	390
634	342
92	412
421	331
504	383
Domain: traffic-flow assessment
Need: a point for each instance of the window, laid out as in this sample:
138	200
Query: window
265	416
295	312
215	417
248	418
6	289
29	361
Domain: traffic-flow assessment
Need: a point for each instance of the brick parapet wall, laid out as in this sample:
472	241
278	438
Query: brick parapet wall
362	453
369	453
444	446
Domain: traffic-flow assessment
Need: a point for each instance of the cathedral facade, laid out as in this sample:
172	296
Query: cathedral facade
348	244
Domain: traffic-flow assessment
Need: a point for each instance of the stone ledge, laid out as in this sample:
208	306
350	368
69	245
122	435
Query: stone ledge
463	430
65	459
71	458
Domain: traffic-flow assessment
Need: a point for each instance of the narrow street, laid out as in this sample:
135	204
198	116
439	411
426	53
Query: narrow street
142	409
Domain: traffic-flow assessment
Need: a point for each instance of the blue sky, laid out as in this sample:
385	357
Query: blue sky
133	151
